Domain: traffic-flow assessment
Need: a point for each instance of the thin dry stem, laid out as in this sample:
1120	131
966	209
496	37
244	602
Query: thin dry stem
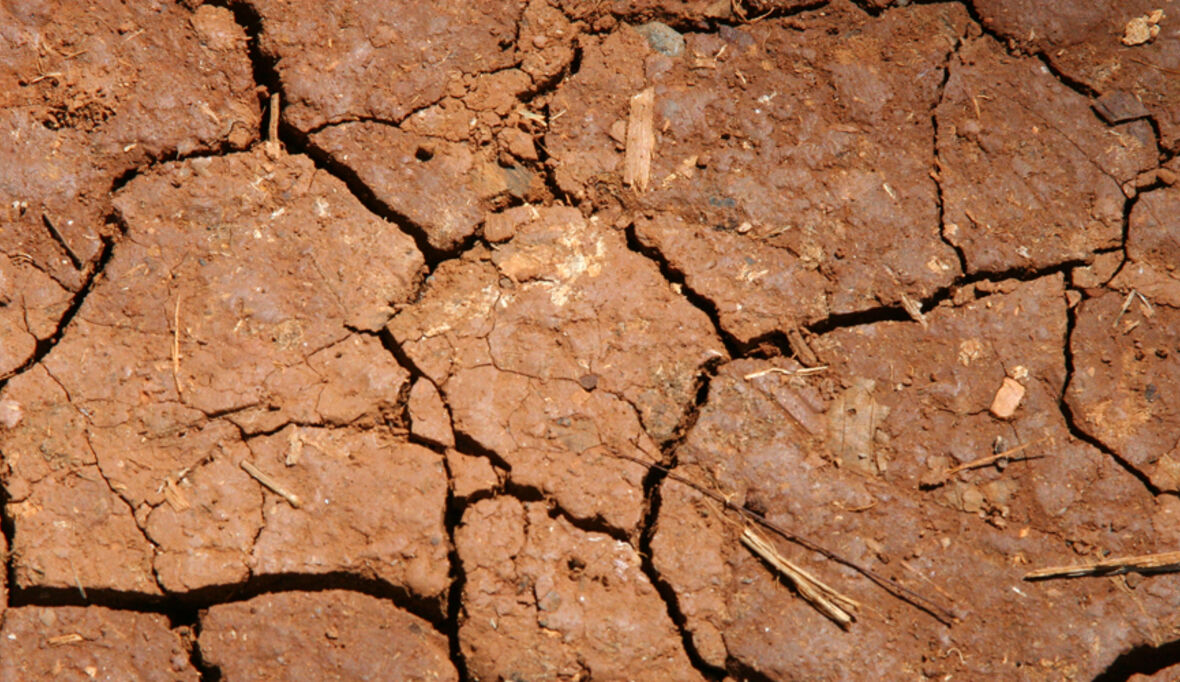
802	371
271	483
826	599
176	346
1164	562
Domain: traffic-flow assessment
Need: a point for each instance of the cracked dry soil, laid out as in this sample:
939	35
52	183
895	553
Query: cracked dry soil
373	400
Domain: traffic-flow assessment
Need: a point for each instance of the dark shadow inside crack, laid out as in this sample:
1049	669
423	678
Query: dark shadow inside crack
8	529
263	66
43	346
1128	209
178	606
449	626
699	301
298	142
1071	420
936	175
1142	660
266	75
653	482
740	670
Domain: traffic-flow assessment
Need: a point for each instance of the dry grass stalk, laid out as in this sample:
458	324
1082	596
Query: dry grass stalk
938	478
1165	562
640	141
826	599
174	496
176	346
271	483
914	310
802	371
272	127
60	640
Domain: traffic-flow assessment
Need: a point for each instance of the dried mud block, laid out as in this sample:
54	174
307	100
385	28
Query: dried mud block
206	529
513	338
429	418
1030	176
796	148
229	301
761	442
333	635
32	303
756	288
383	61
1083	40
470	474
258	344
544	599
440	186
371	504
1153	248
71	527
73	643
1125	377
88	94
80	115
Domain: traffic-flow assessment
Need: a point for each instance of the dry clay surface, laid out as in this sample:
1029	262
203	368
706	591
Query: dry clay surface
464	340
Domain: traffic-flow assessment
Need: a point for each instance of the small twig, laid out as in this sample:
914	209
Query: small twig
914	310
60	640
640	141
1148	311
1124	309
802	371
272	127
175	496
823	597
78	581
44	76
1165	562
271	483
944	476
57	236
272	123
1155	66
176	346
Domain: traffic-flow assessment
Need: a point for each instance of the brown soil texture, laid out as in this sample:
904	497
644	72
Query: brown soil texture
470	341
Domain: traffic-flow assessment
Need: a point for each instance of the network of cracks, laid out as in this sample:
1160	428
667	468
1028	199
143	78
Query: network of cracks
475	340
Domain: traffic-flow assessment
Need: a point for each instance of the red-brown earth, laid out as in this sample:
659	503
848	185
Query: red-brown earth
414	378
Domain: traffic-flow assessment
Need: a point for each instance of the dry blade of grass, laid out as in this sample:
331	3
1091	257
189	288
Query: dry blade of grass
825	598
276	487
802	371
1164	562
936	478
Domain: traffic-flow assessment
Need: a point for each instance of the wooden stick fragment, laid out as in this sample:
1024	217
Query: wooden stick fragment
826	599
272	127
176	346
802	371
640	141
272	122
271	483
1165	562
72	638
941	477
